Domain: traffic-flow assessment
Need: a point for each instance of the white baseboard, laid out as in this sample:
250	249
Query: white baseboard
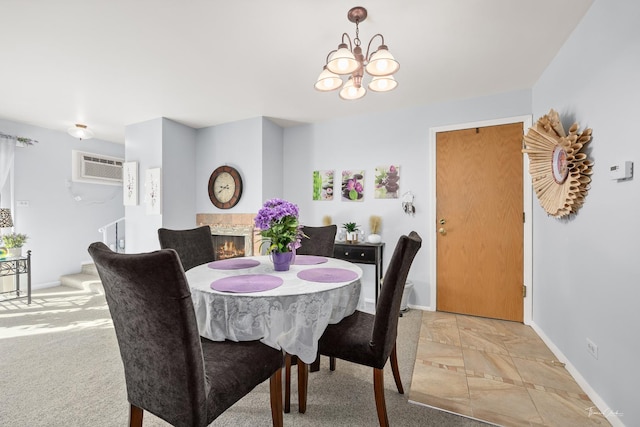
421	307
45	285
602	406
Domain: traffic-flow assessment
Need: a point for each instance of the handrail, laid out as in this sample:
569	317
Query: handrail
103	230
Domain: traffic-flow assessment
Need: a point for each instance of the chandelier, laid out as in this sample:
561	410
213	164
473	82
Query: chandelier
348	60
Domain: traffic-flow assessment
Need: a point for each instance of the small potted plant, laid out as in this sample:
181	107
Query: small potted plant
352	232
14	242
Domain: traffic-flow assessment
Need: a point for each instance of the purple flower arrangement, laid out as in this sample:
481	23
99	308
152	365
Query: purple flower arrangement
278	223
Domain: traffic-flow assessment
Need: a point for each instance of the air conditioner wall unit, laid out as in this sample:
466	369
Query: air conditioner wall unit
95	168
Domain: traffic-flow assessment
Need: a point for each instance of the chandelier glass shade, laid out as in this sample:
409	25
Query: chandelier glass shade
348	60
382	84
328	81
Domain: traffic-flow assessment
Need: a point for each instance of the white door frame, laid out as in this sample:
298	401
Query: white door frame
527	192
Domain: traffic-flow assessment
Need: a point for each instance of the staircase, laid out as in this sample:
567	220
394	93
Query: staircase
87	279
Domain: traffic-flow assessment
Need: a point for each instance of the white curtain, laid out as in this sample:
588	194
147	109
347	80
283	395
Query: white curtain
7	153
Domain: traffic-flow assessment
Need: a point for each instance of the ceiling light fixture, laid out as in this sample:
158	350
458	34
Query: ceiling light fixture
349	60
80	131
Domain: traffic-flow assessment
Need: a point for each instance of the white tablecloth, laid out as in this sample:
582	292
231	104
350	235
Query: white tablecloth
291	317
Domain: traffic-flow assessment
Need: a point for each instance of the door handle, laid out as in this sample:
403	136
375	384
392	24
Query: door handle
442	231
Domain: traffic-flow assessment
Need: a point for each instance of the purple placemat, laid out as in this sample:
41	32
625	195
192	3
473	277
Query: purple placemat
327	275
310	259
247	283
233	264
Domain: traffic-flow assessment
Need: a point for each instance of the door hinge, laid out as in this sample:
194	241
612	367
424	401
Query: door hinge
524	291
523	218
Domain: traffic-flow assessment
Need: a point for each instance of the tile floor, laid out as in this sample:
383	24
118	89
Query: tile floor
496	371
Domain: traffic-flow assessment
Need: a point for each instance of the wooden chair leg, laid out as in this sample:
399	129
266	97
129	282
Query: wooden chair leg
135	416
315	366
275	391
332	363
395	370
287	383
378	390
303	381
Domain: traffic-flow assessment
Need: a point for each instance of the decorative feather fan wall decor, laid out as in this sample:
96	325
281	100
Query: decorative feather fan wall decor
560	171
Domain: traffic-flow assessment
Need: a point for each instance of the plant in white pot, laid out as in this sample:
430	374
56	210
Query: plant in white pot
14	242
352	232
374	223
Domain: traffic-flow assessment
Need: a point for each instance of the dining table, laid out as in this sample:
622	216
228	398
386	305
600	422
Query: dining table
245	299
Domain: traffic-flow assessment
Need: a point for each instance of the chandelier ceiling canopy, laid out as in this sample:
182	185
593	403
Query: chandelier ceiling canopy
348	60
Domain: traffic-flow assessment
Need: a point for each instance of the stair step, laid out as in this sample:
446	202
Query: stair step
87	282
89	268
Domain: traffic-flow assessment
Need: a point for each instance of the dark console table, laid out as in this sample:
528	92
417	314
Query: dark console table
362	253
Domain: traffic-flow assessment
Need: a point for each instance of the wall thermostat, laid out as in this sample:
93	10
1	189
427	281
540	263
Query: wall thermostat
622	170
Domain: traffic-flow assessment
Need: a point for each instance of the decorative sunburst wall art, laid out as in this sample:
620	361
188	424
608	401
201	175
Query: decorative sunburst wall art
560	171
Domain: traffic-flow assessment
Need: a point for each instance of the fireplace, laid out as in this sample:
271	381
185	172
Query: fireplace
228	246
231	241
233	235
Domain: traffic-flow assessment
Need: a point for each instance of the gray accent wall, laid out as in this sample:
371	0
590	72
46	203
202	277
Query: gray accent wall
586	268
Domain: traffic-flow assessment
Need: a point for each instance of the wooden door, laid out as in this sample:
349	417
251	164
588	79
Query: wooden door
479	223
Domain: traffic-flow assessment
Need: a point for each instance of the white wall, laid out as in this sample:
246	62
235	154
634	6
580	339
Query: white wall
178	175
143	145
237	144
170	146
585	268
364	142
272	160
59	228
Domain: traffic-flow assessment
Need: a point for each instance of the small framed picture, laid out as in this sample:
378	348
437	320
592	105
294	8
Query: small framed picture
352	189
130	183
323	185
387	182
153	191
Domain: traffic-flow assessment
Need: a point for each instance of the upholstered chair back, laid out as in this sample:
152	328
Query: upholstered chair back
194	246
155	324
385	328
319	242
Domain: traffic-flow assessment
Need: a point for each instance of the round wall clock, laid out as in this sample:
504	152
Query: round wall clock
225	187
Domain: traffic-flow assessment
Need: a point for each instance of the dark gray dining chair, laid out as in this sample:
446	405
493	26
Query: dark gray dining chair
169	369
368	339
319	240
194	246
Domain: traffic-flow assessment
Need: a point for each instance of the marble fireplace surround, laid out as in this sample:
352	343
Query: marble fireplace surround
233	224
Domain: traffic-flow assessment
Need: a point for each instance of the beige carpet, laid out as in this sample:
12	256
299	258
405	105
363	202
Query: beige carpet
61	367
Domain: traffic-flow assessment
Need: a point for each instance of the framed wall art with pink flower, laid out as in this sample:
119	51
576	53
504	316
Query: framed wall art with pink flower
352	189
387	182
